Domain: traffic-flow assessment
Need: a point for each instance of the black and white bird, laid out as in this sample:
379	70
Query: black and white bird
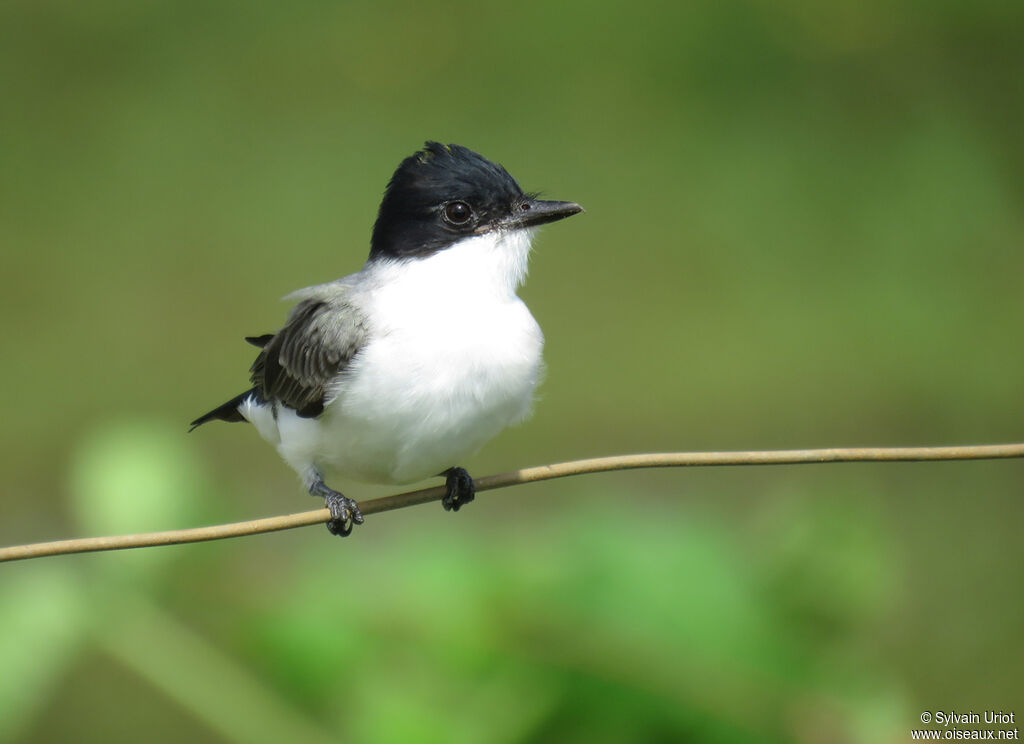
400	371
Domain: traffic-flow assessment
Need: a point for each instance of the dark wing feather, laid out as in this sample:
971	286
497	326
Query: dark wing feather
298	365
259	341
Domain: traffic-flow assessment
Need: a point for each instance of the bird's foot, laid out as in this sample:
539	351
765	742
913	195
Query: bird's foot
460	489
344	511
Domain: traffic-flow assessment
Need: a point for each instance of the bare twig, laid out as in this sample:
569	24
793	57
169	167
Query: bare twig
517	477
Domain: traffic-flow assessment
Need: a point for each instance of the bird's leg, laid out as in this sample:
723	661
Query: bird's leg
460	489
344	511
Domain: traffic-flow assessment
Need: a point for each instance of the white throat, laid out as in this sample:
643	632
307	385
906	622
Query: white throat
493	264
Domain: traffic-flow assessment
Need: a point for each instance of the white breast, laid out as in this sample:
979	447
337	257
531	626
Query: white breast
454	358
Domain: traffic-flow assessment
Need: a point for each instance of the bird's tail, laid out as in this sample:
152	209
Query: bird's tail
226	412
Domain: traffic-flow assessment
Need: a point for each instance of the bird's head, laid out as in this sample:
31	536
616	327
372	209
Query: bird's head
445	193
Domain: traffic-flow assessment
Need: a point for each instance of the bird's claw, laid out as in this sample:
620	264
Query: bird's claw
345	512
460	489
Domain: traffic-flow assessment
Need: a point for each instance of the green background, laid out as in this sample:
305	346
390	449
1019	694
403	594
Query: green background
804	228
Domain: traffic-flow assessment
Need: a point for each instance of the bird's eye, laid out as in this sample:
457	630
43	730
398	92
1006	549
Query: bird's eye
457	212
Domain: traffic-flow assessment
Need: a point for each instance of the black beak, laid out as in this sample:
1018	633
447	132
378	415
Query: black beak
533	212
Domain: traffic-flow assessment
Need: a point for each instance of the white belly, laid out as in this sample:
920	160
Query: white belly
418	401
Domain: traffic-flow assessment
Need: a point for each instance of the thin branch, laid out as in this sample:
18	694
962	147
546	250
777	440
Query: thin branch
517	477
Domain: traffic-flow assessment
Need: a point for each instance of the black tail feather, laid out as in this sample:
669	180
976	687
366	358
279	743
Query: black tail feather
227	412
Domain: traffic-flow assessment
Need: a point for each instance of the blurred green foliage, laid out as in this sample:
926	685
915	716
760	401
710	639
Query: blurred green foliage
803	228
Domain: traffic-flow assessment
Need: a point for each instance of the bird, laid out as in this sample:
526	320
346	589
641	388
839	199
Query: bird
398	372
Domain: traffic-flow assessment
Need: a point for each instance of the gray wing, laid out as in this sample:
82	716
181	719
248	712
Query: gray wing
301	361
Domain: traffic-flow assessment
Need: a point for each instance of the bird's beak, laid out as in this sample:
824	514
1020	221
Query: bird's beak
534	212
